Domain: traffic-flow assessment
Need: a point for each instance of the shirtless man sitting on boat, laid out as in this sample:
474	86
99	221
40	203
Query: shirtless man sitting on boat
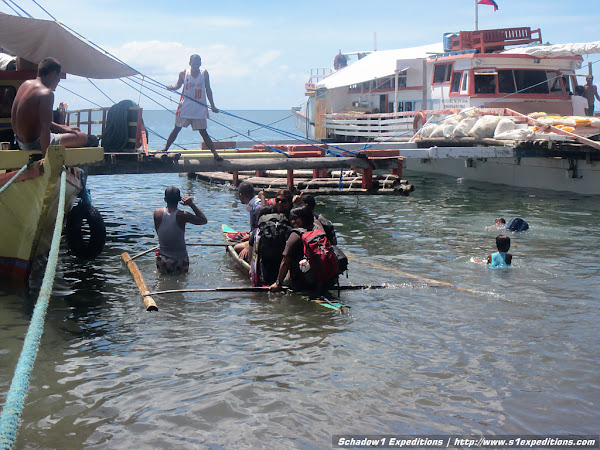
31	114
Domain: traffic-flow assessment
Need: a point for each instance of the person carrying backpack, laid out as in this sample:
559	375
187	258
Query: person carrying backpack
342	259
269	238
308	255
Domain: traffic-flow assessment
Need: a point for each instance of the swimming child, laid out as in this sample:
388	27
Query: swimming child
501	258
499	224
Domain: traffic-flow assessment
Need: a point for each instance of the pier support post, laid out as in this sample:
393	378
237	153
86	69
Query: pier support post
320	173
260	173
235	174
367	178
398	170
290	180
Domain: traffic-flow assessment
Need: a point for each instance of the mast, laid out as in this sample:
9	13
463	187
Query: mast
476	18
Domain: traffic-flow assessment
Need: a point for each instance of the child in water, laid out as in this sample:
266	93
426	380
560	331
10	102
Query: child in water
501	258
500	224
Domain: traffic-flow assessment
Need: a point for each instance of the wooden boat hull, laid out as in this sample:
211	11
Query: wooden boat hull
28	208
325	301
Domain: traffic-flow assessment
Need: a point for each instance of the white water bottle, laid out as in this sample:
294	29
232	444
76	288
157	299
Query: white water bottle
304	265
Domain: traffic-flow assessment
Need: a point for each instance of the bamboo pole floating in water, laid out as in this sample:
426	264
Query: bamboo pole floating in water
192	244
265	289
143	253
219	289
149	302
410	275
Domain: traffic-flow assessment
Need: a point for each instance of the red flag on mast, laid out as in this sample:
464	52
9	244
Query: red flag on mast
488	2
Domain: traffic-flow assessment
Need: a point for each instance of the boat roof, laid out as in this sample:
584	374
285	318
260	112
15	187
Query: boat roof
379	64
556	50
36	39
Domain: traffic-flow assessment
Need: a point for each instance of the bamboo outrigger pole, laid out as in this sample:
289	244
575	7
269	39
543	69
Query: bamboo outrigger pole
141	283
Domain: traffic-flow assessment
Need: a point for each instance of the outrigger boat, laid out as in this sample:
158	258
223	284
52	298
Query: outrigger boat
326	301
29	185
29	204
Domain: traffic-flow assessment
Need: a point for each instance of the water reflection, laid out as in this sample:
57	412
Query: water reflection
490	352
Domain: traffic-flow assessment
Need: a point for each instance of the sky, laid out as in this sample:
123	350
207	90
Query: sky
259	54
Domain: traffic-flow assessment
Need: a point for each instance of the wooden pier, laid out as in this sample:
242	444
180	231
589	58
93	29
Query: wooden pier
299	168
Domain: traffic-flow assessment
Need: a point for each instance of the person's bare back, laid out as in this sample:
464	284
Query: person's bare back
32	110
31	113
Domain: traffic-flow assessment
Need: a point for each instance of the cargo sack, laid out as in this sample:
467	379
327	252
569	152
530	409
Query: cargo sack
485	127
319	253
273	232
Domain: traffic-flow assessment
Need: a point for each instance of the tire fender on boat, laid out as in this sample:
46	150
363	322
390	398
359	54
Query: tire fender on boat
85	231
419	121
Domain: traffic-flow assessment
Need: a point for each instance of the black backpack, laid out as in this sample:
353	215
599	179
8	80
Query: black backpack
273	232
517	224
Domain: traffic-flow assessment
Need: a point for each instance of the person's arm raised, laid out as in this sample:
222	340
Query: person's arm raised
198	218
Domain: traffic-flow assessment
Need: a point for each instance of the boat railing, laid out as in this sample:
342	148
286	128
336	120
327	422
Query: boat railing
93	122
497	39
370	125
319	74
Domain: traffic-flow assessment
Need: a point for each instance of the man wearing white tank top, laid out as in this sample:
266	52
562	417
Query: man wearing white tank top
193	109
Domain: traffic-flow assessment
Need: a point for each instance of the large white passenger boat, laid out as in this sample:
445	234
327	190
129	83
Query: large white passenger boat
388	95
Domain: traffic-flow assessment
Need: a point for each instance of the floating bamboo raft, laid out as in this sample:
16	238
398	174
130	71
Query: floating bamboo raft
350	184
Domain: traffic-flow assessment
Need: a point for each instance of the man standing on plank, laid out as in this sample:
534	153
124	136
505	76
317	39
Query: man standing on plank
193	109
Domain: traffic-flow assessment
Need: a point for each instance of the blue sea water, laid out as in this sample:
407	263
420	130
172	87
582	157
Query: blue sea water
249	126
450	348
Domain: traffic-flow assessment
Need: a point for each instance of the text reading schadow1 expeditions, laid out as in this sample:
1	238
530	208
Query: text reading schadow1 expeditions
471	441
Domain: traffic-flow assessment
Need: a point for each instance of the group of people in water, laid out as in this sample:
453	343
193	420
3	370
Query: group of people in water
288	244
285	238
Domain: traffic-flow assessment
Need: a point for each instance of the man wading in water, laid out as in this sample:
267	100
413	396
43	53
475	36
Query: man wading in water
171	254
193	109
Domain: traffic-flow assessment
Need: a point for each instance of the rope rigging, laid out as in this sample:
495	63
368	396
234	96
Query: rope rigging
15	399
332	149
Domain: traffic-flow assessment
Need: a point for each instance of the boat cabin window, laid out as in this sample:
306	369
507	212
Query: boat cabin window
465	83
554	82
567	83
7	95
485	83
405	106
402	79
529	82
385	83
455	82
442	73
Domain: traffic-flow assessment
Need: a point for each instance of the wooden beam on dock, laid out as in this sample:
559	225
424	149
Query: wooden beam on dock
157	165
